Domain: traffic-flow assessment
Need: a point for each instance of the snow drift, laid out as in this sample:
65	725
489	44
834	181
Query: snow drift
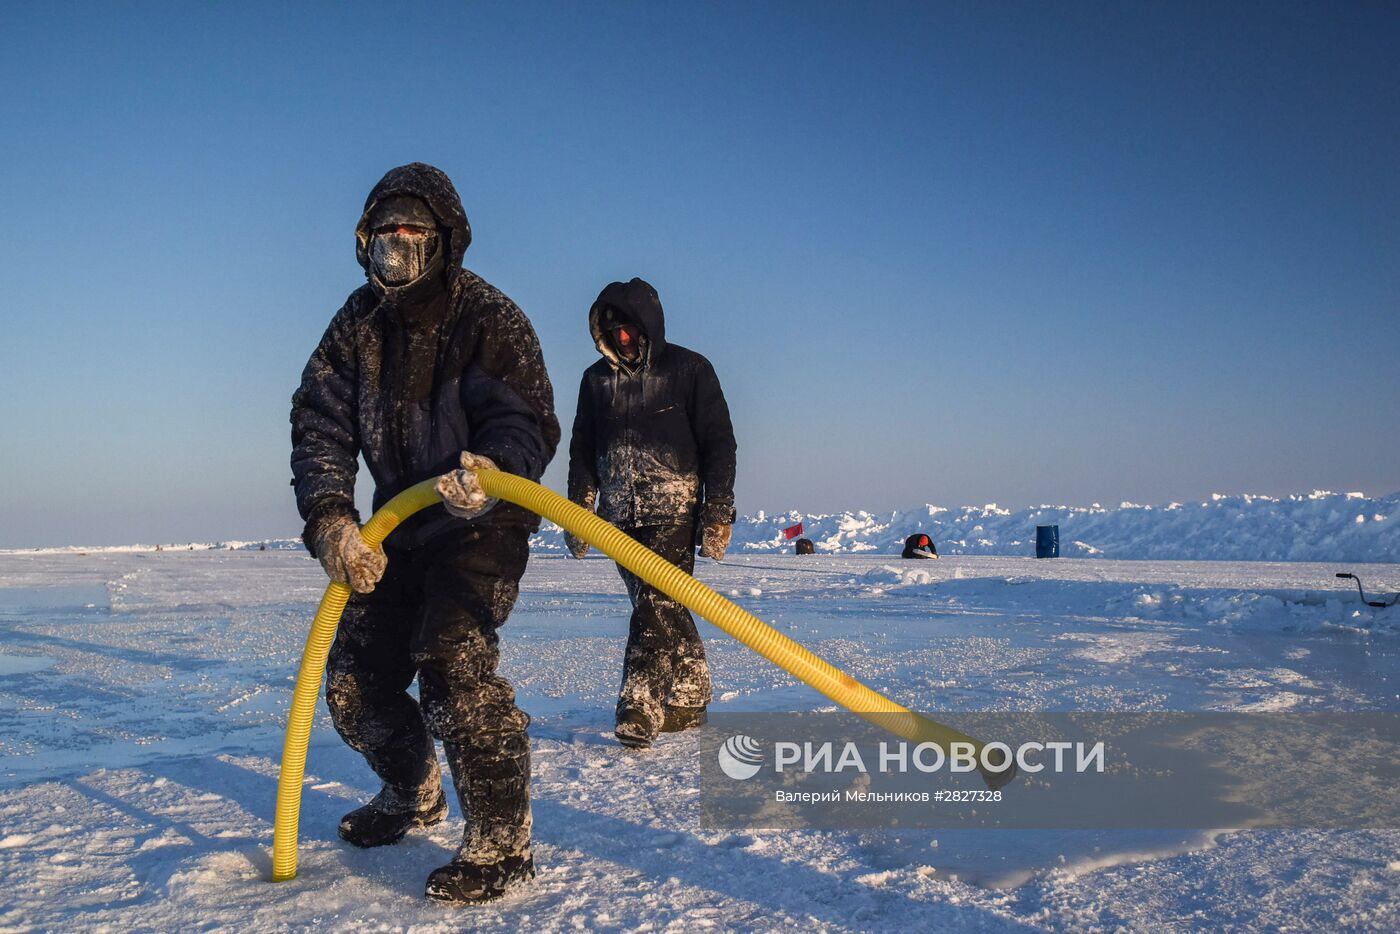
1318	526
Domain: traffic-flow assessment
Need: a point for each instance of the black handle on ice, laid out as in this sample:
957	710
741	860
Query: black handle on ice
1378	604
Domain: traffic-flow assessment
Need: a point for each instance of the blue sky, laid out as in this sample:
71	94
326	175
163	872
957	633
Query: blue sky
952	253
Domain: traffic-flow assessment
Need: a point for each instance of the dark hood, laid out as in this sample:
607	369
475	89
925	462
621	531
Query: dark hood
634	302
432	186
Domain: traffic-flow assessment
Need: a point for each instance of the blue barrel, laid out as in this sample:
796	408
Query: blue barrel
1047	541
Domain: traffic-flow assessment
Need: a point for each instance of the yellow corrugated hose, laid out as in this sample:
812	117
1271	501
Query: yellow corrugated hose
313	668
626	551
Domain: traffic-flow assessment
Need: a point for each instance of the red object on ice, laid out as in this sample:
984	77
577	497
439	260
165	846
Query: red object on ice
792	531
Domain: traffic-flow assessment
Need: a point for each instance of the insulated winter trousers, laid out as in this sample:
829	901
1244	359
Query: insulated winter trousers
665	660
435	615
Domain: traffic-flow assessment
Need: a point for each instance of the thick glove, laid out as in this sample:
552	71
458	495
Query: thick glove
714	541
461	491
577	546
346	557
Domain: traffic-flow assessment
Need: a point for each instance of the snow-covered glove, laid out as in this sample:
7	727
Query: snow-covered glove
346	557
714	539
461	491
577	546
716	528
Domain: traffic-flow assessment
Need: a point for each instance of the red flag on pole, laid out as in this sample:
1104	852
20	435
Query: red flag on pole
792	531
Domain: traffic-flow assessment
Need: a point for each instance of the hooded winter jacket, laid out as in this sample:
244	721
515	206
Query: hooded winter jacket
652	439
411	377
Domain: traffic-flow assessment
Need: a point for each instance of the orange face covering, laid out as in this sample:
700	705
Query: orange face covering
626	338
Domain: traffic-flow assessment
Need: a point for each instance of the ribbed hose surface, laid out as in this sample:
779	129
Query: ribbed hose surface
738	622
809	668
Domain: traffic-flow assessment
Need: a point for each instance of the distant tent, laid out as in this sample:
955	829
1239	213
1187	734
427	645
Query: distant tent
805	547
919	545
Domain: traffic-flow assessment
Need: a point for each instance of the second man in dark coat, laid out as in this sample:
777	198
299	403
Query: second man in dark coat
653	451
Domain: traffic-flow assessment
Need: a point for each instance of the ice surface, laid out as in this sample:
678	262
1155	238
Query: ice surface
139	739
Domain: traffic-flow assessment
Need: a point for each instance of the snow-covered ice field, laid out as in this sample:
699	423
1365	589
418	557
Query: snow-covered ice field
143	698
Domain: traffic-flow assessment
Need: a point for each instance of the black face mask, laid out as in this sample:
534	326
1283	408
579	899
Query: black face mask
400	258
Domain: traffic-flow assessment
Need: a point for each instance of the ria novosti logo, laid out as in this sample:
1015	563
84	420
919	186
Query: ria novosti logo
740	757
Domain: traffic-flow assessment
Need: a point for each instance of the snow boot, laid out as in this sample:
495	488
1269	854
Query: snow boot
634	728
390	815
683	718
465	883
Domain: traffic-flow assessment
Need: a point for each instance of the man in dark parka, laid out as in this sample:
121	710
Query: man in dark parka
427	371
653	449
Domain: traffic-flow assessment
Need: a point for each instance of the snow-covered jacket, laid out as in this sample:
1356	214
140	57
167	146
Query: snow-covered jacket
411	382
652	440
